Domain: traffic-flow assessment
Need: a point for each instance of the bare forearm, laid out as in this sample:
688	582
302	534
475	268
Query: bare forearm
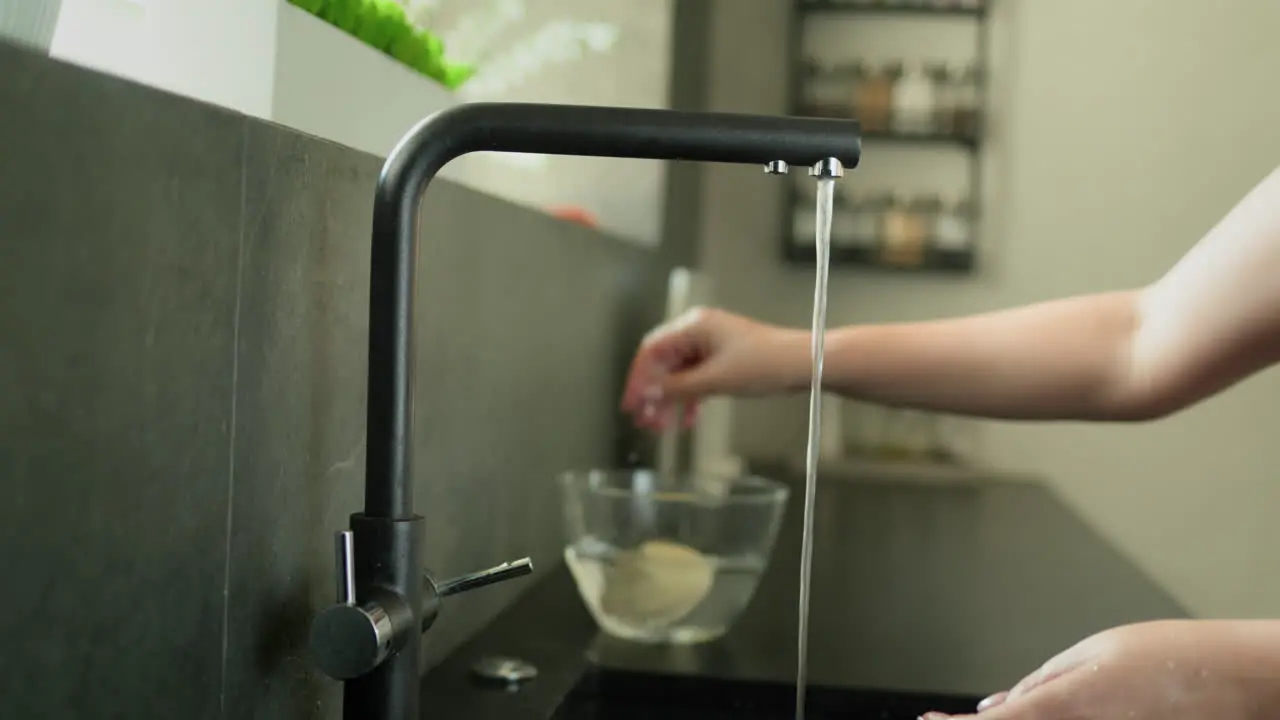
1065	359
1210	322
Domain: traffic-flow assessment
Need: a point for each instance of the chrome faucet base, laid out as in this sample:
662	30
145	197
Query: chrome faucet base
387	688
370	637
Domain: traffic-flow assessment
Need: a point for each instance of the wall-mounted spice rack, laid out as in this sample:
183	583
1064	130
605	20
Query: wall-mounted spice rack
886	230
911	103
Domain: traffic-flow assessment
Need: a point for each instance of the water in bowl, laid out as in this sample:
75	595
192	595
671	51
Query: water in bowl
662	591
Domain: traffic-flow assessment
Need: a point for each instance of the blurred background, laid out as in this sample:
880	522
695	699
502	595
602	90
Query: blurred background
1015	152
1088	144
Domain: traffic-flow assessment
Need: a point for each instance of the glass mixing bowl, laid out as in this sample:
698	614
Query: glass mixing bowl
668	560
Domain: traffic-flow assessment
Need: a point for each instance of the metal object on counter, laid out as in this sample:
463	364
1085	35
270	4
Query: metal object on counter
504	670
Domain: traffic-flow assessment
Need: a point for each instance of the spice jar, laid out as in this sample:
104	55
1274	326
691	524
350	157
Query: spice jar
928	207
870	210
826	89
914	101
873	97
905	233
965	112
953	230
844	214
944	97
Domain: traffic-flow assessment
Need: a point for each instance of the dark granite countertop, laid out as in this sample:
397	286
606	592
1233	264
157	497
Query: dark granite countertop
956	589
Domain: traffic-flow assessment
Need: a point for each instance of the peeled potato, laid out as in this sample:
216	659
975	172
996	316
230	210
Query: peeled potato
659	582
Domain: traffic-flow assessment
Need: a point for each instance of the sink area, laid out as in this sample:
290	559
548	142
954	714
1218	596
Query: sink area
924	598
637	696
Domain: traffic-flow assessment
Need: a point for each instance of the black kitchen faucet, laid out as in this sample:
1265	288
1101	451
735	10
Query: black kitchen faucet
369	639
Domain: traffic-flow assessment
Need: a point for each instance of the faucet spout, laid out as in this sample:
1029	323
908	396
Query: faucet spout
529	128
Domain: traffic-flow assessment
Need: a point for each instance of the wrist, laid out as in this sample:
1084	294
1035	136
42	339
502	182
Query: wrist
791	351
844	355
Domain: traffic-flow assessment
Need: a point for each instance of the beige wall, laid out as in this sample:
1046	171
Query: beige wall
1122	130
631	70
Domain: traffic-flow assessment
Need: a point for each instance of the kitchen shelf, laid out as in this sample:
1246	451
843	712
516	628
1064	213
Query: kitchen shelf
970	142
846	254
967	142
811	7
806	100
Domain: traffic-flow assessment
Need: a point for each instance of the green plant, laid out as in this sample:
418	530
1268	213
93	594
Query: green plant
382	24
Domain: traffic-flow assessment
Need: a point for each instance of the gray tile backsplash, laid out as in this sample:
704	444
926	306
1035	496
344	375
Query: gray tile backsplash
300	399
517	382
183	299
118	252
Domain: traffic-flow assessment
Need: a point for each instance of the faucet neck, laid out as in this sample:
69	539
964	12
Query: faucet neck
529	128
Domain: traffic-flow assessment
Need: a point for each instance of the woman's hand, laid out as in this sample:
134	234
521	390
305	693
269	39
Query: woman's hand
711	352
1166	670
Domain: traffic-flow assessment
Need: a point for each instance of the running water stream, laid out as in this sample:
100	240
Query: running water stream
826	173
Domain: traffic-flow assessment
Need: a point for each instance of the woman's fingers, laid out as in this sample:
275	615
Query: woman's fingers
1047	700
644	380
1029	708
665	372
992	701
690	415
